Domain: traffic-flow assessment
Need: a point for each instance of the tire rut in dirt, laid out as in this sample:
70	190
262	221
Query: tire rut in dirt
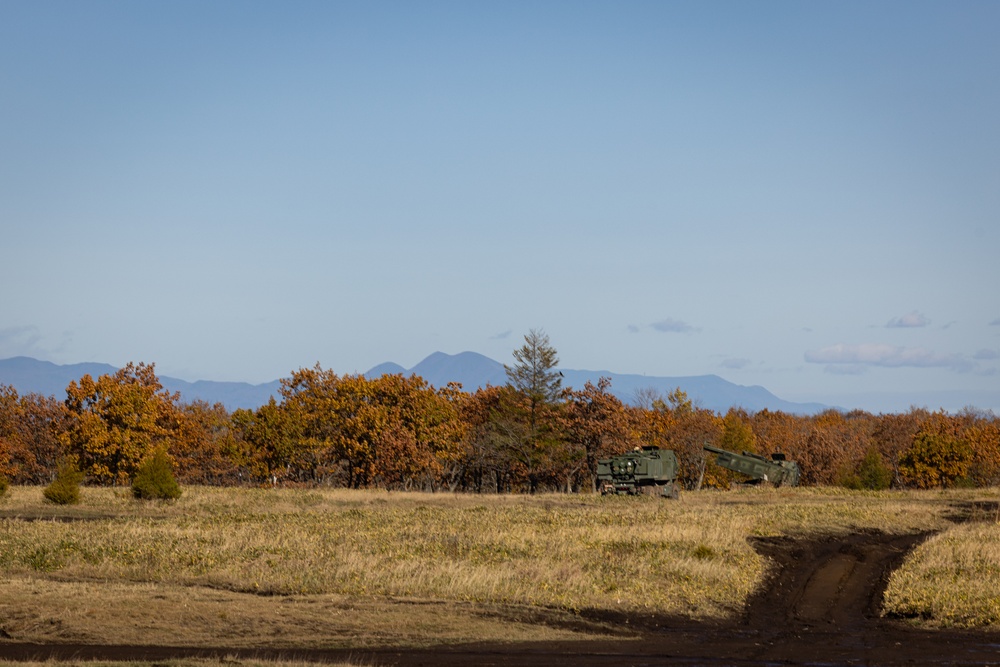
830	580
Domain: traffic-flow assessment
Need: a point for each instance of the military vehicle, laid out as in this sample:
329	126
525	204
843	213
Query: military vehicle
647	470
776	470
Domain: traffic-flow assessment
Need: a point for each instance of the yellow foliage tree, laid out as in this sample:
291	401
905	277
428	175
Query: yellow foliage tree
938	457
390	431
984	439
117	421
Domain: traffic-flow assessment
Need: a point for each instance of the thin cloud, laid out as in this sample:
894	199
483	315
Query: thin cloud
846	369
995	323
908	321
735	364
502	335
670	325
986	355
19	341
886	356
632	328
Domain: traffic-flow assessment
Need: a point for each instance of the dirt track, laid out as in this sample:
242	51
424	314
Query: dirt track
819	607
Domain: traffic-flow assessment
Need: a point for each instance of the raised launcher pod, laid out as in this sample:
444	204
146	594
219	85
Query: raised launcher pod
647	470
776	470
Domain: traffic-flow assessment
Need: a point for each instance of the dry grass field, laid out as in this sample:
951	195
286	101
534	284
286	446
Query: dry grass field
336	568
952	580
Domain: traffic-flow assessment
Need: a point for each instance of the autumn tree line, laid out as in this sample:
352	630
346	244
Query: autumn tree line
531	434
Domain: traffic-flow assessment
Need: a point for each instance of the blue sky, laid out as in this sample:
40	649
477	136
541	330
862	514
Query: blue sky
801	195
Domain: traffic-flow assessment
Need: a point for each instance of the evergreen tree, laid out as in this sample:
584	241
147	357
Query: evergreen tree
538	386
154	480
65	489
535	374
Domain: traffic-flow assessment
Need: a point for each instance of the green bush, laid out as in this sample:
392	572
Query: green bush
154	480
872	473
65	489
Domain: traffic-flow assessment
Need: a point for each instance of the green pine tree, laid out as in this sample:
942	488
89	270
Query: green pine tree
65	488
154	480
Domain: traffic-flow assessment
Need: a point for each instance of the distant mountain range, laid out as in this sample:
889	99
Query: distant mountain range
29	375
474	370
471	369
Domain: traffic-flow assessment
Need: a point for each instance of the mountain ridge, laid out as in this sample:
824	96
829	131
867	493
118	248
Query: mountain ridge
471	369
474	370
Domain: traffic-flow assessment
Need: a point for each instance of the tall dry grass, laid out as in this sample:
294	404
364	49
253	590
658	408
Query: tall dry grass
689	556
953	579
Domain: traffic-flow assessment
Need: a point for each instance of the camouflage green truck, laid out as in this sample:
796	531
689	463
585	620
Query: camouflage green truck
648	470
776	470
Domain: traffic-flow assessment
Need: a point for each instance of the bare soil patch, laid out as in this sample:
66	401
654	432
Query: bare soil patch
820	605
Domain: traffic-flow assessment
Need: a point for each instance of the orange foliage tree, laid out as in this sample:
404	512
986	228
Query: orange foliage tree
117	420
491	435
893	434
267	445
389	431
673	422
938	457
205	449
422	438
983	436
835	444
596	425
531	434
29	436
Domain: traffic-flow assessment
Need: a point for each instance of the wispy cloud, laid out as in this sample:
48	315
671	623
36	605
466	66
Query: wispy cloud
986	355
908	321
633	328
19	341
503	335
995	323
735	364
670	325
887	356
846	369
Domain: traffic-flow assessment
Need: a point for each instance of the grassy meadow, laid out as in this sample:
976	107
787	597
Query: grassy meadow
339	568
953	579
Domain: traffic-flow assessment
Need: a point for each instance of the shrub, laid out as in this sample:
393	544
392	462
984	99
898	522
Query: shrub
65	489
154	480
3	485
872	473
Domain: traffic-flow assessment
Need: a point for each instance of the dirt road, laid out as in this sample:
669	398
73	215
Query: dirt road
820	607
